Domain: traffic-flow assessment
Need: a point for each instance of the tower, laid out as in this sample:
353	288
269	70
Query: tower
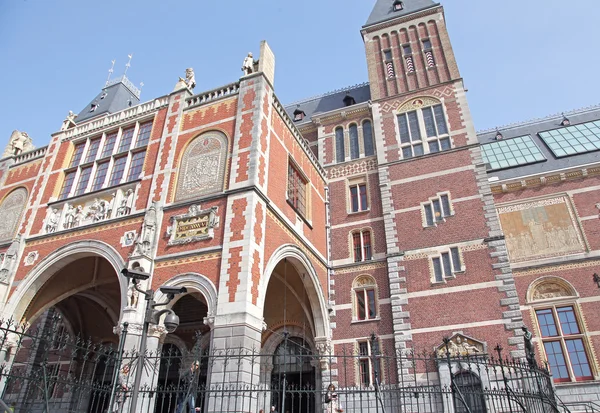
448	271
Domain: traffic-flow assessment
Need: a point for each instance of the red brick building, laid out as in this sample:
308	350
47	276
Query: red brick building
373	209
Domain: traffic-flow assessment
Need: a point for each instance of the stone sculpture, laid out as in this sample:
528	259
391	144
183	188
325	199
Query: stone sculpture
248	65
145	241
18	143
53	219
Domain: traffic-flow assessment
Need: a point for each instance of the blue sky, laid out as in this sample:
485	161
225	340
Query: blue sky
520	59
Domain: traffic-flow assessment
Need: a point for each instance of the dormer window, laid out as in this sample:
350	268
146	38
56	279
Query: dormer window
93	106
299	114
398	5
349	100
104	94
498	136
565	121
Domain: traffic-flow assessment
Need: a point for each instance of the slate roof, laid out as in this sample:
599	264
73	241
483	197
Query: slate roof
383	10
118	95
329	101
533	128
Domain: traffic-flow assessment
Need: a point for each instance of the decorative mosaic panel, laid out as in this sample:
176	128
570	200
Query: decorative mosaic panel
541	229
10	211
202	168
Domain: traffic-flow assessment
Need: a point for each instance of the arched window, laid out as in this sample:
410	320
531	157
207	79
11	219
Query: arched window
423	127
10	210
364	291
354	151
202	167
470	398
561	331
368	137
340	153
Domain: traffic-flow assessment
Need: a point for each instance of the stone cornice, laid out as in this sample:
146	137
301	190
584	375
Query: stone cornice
548	178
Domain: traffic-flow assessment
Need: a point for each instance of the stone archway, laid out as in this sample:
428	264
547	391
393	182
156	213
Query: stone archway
21	300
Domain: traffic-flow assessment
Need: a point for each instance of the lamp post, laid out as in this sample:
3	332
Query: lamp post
150	316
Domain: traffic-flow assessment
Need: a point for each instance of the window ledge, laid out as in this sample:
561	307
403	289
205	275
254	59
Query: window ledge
306	221
364	211
355	321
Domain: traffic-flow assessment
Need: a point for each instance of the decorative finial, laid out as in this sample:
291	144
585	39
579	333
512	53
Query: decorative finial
141	86
128	65
111	70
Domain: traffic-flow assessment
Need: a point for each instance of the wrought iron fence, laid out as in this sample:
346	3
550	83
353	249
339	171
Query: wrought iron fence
47	369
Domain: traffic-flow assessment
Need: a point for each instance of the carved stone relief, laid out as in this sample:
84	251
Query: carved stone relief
18	143
541	229
31	258
550	289
460	346
11	209
9	264
202	168
145	242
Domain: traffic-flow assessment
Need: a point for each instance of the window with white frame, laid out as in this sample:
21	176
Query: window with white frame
359	145
446	265
364	289
437	209
113	158
359	201
369	362
361	243
423	131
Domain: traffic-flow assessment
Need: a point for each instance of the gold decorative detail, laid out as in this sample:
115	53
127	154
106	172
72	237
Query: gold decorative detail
550	290
188	260
418	103
361	268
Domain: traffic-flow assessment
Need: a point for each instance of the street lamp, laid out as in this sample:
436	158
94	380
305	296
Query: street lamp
150	316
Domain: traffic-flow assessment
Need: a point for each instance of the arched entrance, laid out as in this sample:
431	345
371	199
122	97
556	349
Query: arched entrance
295	318
469	394
62	357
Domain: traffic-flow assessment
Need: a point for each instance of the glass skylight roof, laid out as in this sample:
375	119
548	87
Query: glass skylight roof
573	139
511	152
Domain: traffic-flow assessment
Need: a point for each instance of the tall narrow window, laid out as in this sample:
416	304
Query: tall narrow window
408	58
354	150
77	154
358	197
365	296
368	137
100	176
67	185
126	138
564	344
429	60
361	241
297	190
369	367
117	171
92	150
389	63
410	134
143	135
340	154
84	178
137	162
109	144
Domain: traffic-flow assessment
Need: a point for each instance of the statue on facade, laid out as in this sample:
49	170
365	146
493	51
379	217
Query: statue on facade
18	143
132	295
69	121
248	65
190	78
126	204
529	351
53	219
110	205
9	263
145	241
70	217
